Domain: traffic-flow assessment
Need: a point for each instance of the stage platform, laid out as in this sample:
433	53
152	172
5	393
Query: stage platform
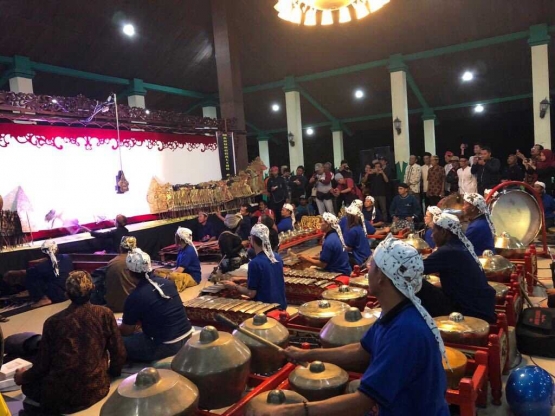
151	236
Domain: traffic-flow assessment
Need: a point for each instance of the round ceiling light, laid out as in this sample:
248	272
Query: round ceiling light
359	94
467	76
479	108
129	30
275	107
310	131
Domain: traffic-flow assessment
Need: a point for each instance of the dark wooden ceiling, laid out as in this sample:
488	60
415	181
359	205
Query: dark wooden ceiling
174	47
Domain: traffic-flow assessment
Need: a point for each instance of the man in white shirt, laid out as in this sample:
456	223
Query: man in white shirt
477	152
413	176
448	167
425	167
467	181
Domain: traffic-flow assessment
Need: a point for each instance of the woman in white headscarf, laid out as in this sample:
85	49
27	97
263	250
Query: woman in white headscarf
265	281
464	286
333	257
400	355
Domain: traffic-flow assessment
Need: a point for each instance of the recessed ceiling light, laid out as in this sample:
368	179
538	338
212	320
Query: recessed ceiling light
310	131
275	107
359	94
479	108
467	76
147	111
129	29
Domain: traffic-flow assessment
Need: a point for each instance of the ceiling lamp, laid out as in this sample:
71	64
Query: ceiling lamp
306	11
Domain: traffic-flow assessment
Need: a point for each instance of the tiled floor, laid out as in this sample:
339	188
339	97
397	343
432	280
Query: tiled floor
34	320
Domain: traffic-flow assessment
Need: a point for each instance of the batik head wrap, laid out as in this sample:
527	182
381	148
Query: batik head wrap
451	223
139	262
354	209
261	231
50	248
290	208
479	202
432	209
403	265
128	242
371	198
79	284
186	235
334	222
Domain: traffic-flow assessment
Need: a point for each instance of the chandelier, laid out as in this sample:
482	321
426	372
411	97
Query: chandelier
307	11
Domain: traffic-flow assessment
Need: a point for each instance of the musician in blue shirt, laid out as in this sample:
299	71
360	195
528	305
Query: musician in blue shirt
371	213
356	238
265	281
400	355
429	221
548	204
480	231
287	222
333	257
204	230
187	257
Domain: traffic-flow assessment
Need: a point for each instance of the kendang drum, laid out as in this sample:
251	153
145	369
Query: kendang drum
218	364
153	392
516	212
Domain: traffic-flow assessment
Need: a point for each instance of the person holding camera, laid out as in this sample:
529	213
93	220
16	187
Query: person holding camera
379	183
321	181
487	170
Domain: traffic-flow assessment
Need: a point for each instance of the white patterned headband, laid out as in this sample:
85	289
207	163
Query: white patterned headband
403	265
290	208
186	235
479	202
139	262
354	209
451	223
261	231
432	209
51	248
334	222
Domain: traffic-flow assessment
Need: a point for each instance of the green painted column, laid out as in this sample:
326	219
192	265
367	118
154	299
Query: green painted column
400	111
136	94
294	122
21	75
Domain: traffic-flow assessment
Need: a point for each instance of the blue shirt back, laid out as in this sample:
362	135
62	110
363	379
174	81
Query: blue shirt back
188	259
406	376
161	319
267	279
343	224
428	238
334	255
286	224
462	280
368	215
548	206
405	207
479	234
357	240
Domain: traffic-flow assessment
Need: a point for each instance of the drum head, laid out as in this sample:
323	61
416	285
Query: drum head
517	213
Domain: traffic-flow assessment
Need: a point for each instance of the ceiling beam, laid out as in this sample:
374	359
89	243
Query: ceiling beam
416	91
483	102
257	132
74	73
173	90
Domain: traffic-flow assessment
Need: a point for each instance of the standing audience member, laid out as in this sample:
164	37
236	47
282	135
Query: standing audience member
365	180
548	204
321	180
477	154
532	177
345	170
487	170
467	181
448	166
155	305
346	191
480	230
452	177
413	177
379	183
80	349
513	171
119	283
405	209
303	209
277	190
436	180
425	168
333	257
544	168
298	185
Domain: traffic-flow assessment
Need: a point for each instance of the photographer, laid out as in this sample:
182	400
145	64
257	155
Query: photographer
379	183
487	170
321	181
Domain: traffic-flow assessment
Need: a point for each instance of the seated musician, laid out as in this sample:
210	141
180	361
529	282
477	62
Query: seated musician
304	208
245	226
464	286
429	221
405	209
548	204
371	213
480	231
367	226
155	305
287	222
400	355
356	238
265	282
231	244
187	270
112	239
333	257
119	283
72	371
204	231
268	221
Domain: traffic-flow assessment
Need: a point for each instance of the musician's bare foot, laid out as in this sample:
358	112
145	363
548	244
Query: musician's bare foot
44	301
